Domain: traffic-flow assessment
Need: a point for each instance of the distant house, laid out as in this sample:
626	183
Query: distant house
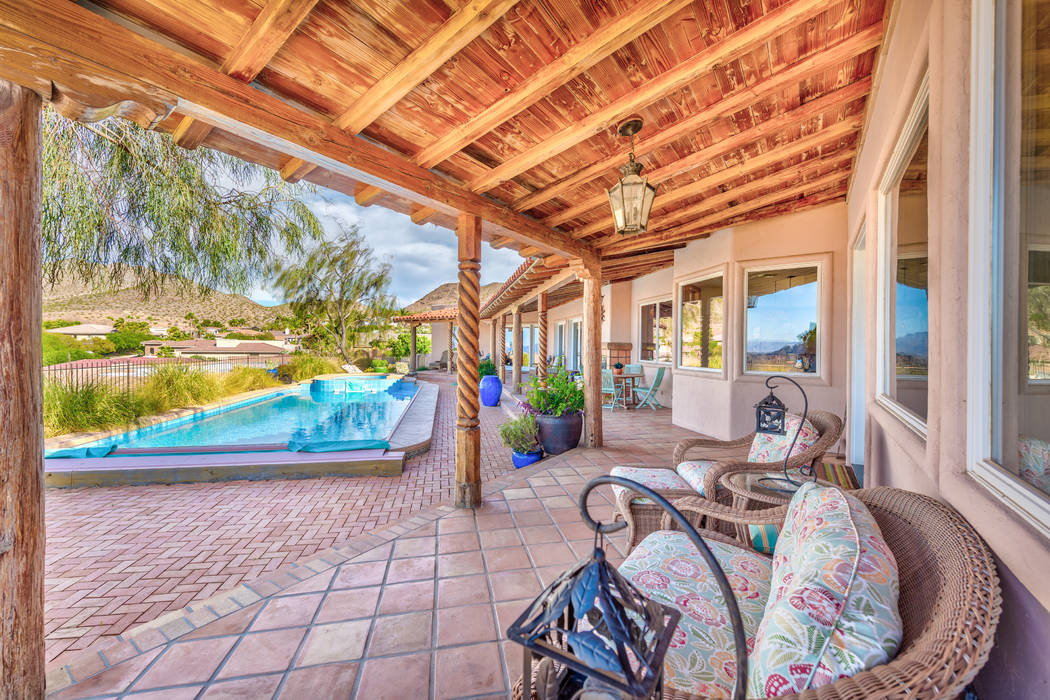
218	348
84	331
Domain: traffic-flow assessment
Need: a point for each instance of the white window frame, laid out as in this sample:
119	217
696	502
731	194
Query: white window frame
886	363
560	332
824	315
657	301
985	273
676	312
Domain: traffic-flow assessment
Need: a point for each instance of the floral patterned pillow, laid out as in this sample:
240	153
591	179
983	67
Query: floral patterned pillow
832	608
1034	457
772	448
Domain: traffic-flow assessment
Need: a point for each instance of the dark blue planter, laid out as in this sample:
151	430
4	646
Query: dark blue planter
491	390
524	459
559	433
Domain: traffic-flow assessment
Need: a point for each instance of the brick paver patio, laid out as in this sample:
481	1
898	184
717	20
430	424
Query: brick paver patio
416	609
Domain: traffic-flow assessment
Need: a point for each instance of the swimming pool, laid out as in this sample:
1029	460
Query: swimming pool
335	411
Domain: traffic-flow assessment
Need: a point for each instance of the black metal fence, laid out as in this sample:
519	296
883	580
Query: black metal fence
127	374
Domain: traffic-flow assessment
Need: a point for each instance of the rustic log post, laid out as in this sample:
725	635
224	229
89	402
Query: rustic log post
503	349
448	367
468	431
516	353
21	407
412	347
592	350
541	352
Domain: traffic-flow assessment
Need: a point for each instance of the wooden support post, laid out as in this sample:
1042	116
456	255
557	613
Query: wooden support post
468	430
592	364
503	349
412	348
448	367
515	375
21	407
705	329
541	352
493	327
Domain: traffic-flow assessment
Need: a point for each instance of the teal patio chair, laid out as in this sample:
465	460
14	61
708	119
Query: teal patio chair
650	391
634	369
609	387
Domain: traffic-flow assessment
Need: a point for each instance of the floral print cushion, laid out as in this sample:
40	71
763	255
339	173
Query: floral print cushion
832	610
656	478
694	471
773	448
1034	462
666	567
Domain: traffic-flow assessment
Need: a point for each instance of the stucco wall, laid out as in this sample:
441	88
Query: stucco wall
936	33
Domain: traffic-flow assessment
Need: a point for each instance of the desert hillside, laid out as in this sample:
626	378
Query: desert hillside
73	300
447	295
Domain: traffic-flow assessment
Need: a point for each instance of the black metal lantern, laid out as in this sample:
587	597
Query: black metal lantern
631	199
771	419
598	634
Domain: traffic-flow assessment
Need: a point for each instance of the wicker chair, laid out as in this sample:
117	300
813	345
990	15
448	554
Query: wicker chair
730	456
950	600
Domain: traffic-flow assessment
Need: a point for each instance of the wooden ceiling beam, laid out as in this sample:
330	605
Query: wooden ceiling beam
774	155
762	30
272	27
464	26
421	215
601	43
59	42
848	48
728	147
364	194
720	219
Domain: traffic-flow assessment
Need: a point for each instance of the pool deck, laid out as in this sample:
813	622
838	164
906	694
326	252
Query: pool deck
165	530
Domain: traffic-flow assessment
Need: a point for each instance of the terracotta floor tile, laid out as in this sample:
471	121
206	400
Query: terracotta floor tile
465	625
460	564
462	590
313	584
507	558
113	680
349	604
186	662
398	634
509	611
184	693
459	542
320	682
551	554
511	585
500	538
532	517
355	575
414	547
450	526
525	504
234	623
576	530
407	597
263	652
413	569
469	670
540	533
494	521
246	688
398	678
290	611
379	553
339	641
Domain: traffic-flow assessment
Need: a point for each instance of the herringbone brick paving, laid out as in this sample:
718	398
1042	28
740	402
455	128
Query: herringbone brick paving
120	556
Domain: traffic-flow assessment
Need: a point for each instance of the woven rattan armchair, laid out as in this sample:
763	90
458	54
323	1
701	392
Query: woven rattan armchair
730	456
950	600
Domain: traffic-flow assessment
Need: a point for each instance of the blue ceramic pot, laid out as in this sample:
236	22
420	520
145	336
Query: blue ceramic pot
491	390
524	459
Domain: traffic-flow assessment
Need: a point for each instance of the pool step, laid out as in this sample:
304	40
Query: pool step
183	469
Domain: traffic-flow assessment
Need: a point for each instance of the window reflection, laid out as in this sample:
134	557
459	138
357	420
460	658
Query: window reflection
655	342
782	320
702	307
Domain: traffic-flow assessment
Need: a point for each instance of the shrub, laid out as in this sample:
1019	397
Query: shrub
561	395
520	434
100	346
172	386
62	348
87	407
379	366
59	323
242	379
302	366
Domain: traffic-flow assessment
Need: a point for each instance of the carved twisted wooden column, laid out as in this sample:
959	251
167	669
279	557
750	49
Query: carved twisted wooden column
21	403
592	350
541	367
503	349
448	367
468	432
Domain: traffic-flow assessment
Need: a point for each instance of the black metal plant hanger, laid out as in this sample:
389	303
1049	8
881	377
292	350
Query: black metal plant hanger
785	484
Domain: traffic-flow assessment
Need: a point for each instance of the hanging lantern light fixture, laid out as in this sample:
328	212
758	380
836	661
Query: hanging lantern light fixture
631	199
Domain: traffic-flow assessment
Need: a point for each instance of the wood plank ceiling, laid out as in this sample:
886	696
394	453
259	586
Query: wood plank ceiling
752	108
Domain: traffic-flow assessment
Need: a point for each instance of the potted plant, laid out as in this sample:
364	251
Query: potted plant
491	388
558	408
618	368
520	436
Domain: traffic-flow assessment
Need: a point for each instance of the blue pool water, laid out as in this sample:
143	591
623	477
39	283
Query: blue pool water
334	411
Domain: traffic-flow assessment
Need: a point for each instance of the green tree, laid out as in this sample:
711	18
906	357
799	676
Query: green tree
119	200
237	322
341	289
165	351
174	333
401	344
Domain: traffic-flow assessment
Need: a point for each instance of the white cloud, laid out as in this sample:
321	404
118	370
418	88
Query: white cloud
421	257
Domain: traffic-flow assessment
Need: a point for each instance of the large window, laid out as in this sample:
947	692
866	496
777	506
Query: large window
1010	261
655	343
701	310
904	278
781	320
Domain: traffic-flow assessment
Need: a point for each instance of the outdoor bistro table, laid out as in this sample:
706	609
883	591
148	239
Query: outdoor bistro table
628	380
747	489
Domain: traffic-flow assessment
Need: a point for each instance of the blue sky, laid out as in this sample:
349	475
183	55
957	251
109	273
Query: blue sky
422	257
912	310
783	315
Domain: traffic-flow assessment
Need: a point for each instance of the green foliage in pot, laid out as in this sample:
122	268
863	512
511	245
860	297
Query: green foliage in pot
520	434
617	365
562	395
486	368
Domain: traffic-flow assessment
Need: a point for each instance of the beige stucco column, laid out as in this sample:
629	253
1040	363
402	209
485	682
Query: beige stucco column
412	348
515	380
541	352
